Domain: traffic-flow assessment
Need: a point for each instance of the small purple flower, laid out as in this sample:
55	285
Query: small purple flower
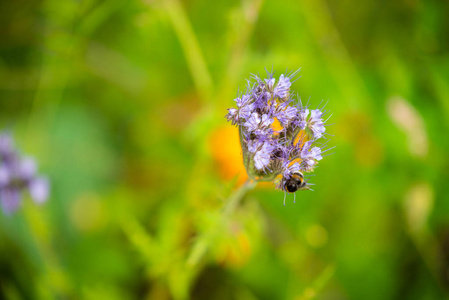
39	189
242	101
262	158
302	118
10	199
256	124
261	101
309	157
316	123
6	145
243	111
26	168
4	175
253	122
286	114
266	121
246	111
18	174
232	116
282	89
254	145
270	83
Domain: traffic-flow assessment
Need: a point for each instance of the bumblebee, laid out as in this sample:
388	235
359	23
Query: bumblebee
296	182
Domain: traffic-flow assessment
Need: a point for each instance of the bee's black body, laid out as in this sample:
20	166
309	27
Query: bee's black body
295	182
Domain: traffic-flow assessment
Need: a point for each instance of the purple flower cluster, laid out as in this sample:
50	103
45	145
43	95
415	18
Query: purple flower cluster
16	175
278	134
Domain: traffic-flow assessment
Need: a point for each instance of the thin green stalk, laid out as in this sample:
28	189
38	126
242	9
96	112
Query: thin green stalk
53	278
250	10
235	198
312	291
319	20
201	246
192	51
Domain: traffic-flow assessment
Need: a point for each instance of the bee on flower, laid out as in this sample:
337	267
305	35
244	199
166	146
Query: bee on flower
283	153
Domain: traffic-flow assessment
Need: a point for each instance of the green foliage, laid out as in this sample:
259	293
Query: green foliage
122	103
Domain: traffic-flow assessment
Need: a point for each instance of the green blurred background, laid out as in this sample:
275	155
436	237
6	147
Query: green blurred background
123	104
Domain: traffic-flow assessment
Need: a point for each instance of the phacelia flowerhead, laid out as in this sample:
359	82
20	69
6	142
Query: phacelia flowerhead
278	135
18	174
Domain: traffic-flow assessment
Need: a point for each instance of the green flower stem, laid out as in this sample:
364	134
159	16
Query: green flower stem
201	246
235	198
53	280
190	45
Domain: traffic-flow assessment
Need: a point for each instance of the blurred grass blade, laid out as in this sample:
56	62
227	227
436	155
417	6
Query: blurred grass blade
190	45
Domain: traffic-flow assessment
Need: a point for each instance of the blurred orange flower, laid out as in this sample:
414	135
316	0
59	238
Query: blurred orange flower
224	144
